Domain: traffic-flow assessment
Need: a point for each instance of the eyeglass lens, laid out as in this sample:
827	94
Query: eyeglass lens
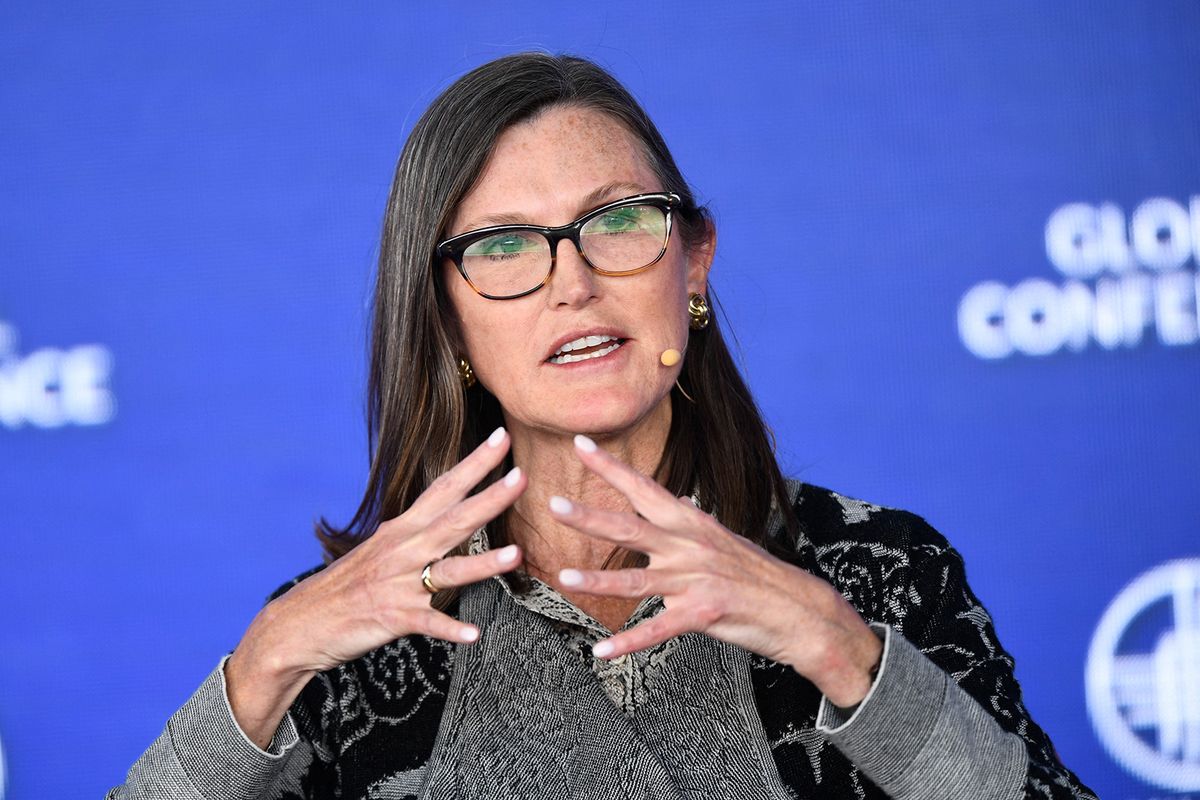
619	240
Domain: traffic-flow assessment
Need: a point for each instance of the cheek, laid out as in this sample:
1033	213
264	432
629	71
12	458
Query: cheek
474	316
486	338
668	296
494	337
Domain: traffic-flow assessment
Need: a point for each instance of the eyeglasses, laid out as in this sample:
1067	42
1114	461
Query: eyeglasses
624	237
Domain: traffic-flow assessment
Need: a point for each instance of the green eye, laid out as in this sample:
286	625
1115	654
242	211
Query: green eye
505	244
502	244
620	219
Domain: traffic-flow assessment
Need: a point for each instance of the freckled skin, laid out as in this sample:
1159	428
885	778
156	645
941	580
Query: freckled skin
541	169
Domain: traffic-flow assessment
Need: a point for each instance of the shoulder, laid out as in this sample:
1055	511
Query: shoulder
828	518
873	554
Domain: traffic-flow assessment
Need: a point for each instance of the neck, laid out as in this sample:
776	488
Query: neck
548	459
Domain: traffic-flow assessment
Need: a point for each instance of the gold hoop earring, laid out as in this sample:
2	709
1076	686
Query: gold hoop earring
466	373
698	312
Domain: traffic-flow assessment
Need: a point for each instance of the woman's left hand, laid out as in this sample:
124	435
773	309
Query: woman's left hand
715	582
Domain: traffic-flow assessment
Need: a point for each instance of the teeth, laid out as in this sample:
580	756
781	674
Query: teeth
565	359
584	341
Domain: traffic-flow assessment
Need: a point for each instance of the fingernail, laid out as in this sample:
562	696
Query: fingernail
560	505
512	477
507	555
496	438
469	634
601	649
570	577
584	443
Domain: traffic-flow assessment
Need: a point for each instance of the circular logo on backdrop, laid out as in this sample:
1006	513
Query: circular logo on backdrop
1143	676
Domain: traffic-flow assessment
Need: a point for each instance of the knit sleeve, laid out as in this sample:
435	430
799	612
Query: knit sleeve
945	621
919	736
202	753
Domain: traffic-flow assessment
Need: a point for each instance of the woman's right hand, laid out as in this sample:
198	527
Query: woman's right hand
373	594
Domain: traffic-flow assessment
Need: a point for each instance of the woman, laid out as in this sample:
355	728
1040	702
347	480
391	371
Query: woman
542	319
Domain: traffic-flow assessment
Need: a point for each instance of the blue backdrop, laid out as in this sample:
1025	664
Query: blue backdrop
977	301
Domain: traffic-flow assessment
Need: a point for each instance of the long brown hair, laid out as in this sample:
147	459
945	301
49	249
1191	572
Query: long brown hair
421	421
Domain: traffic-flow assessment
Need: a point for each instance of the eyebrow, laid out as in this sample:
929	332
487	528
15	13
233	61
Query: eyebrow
593	199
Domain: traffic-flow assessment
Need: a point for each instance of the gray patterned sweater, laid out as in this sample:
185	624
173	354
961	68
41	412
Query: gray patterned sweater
944	718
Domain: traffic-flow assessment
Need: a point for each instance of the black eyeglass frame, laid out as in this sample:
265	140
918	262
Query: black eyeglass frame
454	247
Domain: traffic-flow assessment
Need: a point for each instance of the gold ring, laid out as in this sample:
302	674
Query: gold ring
428	584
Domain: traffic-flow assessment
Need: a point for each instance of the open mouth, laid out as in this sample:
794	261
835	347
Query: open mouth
584	348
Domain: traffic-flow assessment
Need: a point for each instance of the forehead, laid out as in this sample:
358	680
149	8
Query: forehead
541	168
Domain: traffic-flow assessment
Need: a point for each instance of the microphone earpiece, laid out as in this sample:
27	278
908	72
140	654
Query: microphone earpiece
670	357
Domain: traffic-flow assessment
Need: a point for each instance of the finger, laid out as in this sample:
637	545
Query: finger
432	622
463	518
624	529
454	484
463	570
650	499
623	582
656	630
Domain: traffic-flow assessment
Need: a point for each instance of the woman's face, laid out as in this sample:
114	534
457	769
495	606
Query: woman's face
549	171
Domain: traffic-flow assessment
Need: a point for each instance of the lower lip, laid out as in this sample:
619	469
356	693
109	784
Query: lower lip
615	358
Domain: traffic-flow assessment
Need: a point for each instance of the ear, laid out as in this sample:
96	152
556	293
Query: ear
700	260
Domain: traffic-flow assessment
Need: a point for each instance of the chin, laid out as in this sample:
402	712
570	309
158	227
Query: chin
602	412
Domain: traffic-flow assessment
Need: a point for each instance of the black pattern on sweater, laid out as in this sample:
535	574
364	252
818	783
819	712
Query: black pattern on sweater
369	720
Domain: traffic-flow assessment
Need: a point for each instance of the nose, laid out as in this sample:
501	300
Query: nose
573	282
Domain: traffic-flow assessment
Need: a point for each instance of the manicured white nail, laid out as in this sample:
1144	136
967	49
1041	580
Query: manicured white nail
570	577
496	438
469	634
601	649
560	505
584	443
512	477
507	555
